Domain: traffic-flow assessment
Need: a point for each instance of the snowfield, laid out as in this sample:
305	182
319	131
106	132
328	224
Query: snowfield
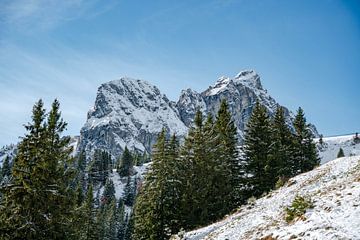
331	146
334	189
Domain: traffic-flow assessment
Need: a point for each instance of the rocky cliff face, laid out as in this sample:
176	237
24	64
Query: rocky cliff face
130	112
241	93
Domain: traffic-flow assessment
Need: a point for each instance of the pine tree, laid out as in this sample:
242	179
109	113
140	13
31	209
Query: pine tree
100	167
340	153
130	228
126	164
226	132
258	162
306	156
120	220
282	148
110	221
156	205
88	230
109	193
129	193
38	204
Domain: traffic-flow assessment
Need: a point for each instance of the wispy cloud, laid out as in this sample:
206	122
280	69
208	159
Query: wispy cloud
46	14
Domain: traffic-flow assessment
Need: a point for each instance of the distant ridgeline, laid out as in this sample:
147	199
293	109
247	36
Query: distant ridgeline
130	112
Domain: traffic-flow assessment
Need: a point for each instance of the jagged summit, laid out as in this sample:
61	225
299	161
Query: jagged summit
250	78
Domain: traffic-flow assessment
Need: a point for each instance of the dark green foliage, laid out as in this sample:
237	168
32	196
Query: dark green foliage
100	167
227	166
87	226
191	185
259	165
38	204
306	156
109	193
282	147
340	153
120	221
126	163
130	192
298	208
130	229
158	203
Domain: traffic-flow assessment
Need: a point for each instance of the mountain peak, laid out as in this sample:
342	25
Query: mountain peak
249	78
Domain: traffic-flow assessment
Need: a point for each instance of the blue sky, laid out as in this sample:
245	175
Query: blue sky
306	52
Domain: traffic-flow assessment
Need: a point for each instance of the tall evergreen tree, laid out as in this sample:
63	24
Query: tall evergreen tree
88	229
109	193
258	162
120	220
282	148
38	204
126	163
157	206
100	167
229	157
306	155
129	192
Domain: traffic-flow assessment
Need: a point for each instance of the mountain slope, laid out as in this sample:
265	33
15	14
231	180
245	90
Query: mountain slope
335	189
331	146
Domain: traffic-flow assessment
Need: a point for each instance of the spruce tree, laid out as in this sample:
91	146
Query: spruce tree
120	221
226	132
282	148
340	153
257	159
157	209
109	193
125	167
38	203
306	156
88	230
129	193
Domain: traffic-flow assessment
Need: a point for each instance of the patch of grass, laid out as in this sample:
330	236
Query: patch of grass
298	208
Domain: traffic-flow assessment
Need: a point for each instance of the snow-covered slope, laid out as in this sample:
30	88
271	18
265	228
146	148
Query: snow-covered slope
334	189
331	146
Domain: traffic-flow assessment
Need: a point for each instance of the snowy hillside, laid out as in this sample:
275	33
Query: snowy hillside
334	189
331	146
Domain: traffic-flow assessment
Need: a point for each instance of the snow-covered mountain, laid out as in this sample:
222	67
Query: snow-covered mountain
131	112
334	189
241	93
